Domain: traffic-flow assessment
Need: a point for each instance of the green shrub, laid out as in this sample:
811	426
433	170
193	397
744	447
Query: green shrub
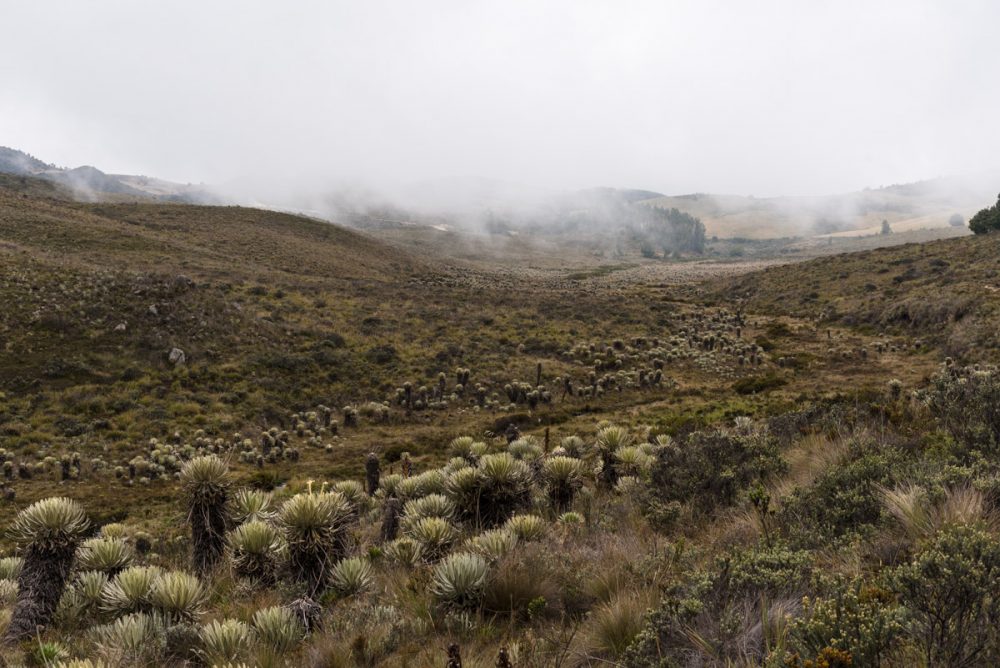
986	220
950	588
758	384
864	620
966	401
845	498
771	569
711	468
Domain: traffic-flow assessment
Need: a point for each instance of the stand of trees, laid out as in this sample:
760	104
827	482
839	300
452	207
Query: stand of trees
669	230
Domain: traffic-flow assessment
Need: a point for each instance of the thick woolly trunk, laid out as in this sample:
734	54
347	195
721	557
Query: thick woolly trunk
609	472
561	495
208	535
312	567
390	519
40	586
372	473
259	568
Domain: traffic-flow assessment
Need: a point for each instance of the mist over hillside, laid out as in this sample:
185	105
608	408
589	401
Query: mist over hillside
604	217
493	208
90	184
563	334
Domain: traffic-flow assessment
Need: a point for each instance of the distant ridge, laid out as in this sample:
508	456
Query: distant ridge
89	183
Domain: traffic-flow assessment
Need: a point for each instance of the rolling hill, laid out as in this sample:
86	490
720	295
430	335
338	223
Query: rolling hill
88	183
922	205
945	291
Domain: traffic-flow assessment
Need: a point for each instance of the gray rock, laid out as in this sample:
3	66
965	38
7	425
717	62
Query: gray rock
177	356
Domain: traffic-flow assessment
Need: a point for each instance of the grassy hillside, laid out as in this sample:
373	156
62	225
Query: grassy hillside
945	291
923	205
584	464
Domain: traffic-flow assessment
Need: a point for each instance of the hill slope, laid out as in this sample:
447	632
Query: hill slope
947	290
922	205
234	241
90	184
741	465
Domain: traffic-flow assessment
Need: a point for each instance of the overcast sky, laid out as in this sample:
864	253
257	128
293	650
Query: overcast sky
754	97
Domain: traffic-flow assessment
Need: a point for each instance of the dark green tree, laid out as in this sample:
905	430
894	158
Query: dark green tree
986	220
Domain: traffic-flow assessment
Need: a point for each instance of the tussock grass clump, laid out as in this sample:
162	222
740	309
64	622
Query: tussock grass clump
49	530
909	506
459	579
614	625
8	592
919	518
520	585
206	485
314	527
